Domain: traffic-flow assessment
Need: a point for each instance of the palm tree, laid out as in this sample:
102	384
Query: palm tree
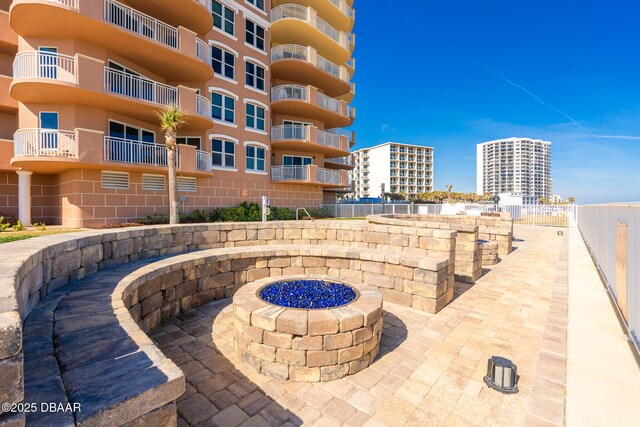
571	200
171	119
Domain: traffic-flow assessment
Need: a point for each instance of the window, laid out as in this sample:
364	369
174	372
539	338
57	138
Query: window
224	153
223	107
254	34
115	180
119	130
257	3
296	161
154	182
223	17
49	130
223	62
193	141
255	158
187	185
255	117
48	61
255	76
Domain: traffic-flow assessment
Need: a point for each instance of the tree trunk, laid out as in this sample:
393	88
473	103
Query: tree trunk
173	180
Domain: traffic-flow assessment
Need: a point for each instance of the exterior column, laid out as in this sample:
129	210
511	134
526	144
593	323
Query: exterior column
24	197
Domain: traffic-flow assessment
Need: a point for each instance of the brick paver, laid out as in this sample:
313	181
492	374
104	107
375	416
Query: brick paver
430	367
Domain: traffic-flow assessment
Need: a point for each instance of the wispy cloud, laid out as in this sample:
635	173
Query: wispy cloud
387	127
621	137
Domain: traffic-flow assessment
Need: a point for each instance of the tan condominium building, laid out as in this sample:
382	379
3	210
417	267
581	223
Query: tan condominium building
519	166
402	168
265	85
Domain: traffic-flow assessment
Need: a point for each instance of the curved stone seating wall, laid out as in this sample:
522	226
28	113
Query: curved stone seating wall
307	345
489	252
33	269
468	256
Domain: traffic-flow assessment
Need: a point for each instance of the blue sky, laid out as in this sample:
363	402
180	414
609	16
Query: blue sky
424	76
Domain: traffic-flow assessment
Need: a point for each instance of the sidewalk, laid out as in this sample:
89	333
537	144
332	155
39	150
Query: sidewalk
603	377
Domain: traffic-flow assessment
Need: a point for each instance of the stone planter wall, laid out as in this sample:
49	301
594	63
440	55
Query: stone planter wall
489	253
468	257
307	345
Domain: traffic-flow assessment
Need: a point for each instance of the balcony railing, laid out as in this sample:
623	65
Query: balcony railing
344	8
329	103
136	152
329	139
203	160
132	86
291	132
290	173
203	106
130	19
206	4
346	161
73	4
308	15
203	51
328	176
45	143
295	92
44	65
310	55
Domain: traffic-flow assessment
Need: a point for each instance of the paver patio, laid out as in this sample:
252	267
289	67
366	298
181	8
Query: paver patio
430	367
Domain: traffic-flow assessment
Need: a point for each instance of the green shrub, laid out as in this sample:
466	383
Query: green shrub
19	226
41	226
3	225
154	219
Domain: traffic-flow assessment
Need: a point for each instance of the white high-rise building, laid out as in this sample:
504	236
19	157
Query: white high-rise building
402	168
519	166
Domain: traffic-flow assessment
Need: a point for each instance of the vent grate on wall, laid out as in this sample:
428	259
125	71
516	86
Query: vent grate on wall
115	180
187	185
154	182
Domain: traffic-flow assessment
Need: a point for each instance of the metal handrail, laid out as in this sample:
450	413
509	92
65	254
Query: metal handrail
305	211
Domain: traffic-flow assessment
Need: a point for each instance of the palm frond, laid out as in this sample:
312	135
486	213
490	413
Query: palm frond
171	117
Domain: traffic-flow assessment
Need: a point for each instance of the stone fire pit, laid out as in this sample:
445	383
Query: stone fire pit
307	328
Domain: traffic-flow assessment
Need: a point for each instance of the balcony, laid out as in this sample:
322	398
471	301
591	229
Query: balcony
293	23
203	161
135	152
309	139
304	65
51	143
340	162
143	39
309	175
193	14
56	78
306	101
338	13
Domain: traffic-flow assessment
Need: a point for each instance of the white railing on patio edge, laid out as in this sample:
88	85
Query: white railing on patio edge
120	83
310	55
45	143
344	7
203	51
284	92
203	160
604	229
307	14
203	106
291	132
147	26
289	173
328	176
347	161
206	4
44	65
136	152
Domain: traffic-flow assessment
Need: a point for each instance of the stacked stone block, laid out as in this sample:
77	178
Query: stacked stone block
489	252
307	345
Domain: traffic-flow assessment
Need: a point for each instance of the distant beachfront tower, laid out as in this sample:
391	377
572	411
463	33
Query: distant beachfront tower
402	168
519	166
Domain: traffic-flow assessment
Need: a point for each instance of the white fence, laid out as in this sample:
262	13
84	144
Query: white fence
147	26
612	234
44	65
45	143
137	87
137	152
289	173
547	215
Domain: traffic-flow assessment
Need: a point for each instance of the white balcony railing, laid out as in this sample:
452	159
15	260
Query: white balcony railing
291	132
203	51
203	106
290	173
124	84
206	4
328	176
310	55
344	8
44	65
203	160
329	139
329	103
73	4
284	92
45	143
346	161
309	15
147	26
136	152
